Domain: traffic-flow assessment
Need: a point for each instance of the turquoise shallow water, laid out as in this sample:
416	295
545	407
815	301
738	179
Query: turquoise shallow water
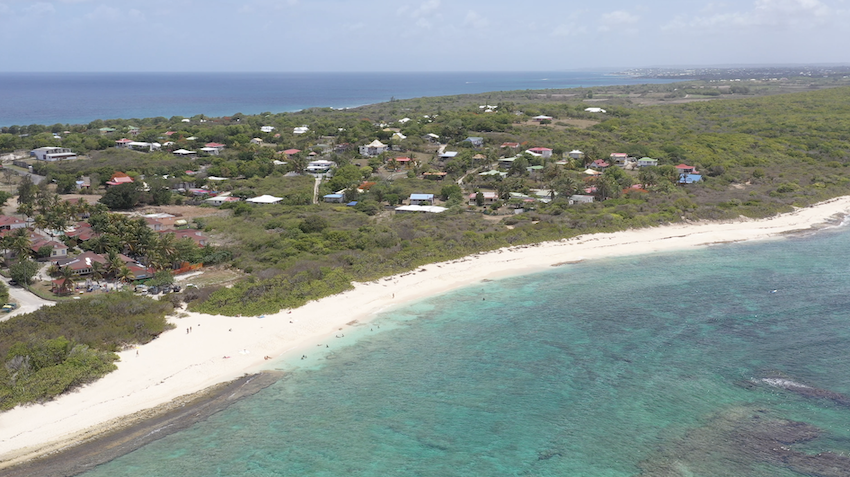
633	366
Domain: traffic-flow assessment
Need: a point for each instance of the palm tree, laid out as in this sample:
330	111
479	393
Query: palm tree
166	251
97	271
125	275
68	283
21	243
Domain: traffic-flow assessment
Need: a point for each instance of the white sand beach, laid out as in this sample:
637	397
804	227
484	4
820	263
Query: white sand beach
220	348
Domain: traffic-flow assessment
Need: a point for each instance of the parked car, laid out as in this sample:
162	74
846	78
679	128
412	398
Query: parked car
8	307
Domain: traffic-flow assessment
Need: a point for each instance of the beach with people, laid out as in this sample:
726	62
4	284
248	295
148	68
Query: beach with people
203	350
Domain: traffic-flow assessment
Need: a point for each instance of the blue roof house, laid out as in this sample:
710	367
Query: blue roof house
421	199
689	178
475	141
335	198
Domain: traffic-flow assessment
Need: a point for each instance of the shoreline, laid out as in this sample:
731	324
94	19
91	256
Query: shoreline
204	351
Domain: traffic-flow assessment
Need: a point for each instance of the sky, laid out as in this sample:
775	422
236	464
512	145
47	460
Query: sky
418	35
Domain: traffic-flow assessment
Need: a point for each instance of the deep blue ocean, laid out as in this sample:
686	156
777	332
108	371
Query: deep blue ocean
79	98
652	365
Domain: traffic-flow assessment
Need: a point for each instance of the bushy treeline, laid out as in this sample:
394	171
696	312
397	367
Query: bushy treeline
55	349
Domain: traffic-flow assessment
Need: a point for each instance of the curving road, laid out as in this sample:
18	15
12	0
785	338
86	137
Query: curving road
27	302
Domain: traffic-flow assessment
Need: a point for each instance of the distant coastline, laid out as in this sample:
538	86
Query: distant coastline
80	98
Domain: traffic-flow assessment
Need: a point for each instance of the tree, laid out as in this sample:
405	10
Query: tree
450	191
26	196
121	197
313	223
23	271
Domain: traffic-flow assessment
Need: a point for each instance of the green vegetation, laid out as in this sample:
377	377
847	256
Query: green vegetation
58	348
758	156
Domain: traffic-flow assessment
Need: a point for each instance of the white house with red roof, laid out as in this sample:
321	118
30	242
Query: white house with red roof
599	164
544	152
685	169
123	142
213	148
8	222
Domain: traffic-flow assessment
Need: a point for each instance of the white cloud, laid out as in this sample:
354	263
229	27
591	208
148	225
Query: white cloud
40	8
764	13
427	8
617	20
568	29
102	12
475	20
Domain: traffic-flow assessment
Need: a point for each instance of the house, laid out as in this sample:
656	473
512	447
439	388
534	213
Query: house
576	154
511	145
507	162
398	136
647	162
448	155
291	152
432	138
489	197
217	201
83	183
83	264
433	209
334	198
475	141
143	146
687	178
11	223
53	154
195	235
618	159
402	161
544	152
184	153
421	199
264	199
57	248
122	143
133	130
541	118
595	110
106	130
215	145
581	199
119	178
685	169
375	148
267	129
257	141
599	164
154	224
300	130
319	167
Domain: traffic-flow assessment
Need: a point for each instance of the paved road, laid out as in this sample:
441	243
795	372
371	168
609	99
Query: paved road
35	178
27	302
